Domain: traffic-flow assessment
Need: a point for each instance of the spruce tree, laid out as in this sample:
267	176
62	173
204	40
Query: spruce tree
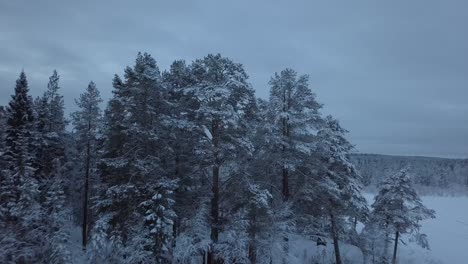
20	211
18	146
57	121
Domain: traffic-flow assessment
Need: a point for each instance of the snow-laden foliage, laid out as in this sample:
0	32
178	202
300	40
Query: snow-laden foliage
398	206
397	210
188	166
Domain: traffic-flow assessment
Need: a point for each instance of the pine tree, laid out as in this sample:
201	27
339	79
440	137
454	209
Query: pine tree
57	121
49	130
292	121
42	161
340	191
135	166
159	221
114	191
294	118
49	149
225	101
86	122
179	124
398	208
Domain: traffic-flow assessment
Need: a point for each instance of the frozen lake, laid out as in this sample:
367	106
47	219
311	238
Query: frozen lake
448	233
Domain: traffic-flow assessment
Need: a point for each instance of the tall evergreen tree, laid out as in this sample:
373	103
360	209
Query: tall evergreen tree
294	119
225	102
19	209
57	121
179	126
18	142
138	166
49	137
86	122
340	191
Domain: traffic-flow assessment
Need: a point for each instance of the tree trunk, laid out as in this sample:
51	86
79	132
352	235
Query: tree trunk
386	242
285	129
175	225
85	202
209	257
335	239
252	230
285	183
252	253
215	193
395	248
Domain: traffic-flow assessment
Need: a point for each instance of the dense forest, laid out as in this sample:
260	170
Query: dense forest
186	165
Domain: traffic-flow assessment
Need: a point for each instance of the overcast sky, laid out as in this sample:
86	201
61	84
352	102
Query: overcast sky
395	73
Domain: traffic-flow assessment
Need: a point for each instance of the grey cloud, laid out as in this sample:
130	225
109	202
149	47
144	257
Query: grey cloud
394	72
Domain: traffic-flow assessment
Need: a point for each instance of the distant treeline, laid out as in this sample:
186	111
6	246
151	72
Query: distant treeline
429	174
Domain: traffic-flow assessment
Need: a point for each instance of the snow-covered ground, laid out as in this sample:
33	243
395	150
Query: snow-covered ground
447	234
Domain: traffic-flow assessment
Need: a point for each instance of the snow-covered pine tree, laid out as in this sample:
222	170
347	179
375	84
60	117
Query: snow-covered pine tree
225	104
49	130
268	219
86	123
114	120
134	167
20	212
109	235
339	191
179	124
57	121
159	218
58	217
398	209
294	120
43	160
49	149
